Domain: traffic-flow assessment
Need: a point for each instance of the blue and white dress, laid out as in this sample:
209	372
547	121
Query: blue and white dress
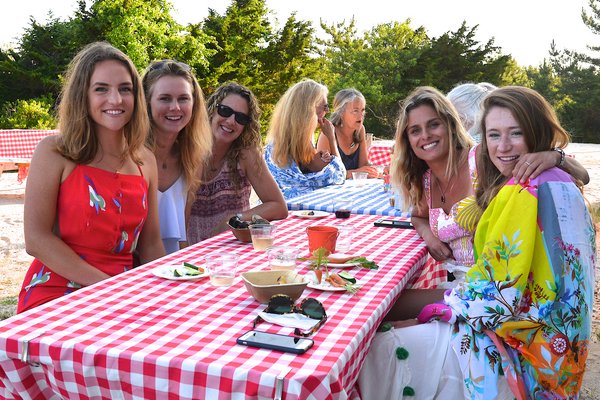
293	182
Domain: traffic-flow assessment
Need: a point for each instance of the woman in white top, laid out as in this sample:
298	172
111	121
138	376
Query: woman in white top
180	138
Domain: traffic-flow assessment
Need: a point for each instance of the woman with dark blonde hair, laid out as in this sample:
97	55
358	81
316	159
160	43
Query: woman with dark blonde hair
235	167
91	191
298	167
519	326
181	140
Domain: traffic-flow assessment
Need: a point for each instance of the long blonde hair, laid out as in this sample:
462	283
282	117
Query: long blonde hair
78	141
194	142
407	169
539	125
294	122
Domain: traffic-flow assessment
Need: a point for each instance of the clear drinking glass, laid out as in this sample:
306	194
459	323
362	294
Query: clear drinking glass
222	268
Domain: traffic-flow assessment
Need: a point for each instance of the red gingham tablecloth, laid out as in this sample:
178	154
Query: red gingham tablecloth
380	152
139	336
17	145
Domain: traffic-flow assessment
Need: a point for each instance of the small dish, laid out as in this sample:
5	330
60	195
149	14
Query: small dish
241	234
339	258
343	265
310	214
327	287
168	272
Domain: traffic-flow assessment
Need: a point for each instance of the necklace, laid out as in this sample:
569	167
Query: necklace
164	164
443	192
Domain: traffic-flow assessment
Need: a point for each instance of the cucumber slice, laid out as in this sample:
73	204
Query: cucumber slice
347	277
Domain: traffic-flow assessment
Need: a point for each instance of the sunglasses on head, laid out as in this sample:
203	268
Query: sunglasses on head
283	304
226	112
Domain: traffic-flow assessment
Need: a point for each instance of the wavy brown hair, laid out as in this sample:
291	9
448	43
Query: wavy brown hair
250	137
539	125
294	122
407	169
77	140
194	142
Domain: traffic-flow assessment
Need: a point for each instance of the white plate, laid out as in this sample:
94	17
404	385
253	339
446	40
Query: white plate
325	286
343	265
304	214
166	271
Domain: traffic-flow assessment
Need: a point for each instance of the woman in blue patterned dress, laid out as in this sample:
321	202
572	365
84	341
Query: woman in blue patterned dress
290	153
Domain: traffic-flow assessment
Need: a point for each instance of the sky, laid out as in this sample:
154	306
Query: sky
522	28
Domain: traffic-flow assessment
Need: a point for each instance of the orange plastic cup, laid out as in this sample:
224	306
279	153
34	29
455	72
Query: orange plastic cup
322	236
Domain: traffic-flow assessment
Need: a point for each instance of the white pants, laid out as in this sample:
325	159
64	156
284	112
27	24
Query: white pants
431	368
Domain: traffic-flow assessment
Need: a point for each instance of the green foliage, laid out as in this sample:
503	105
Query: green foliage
385	63
28	114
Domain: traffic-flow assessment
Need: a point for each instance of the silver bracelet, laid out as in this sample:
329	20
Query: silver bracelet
560	151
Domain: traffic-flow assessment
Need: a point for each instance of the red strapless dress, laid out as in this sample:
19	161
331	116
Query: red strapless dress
100	216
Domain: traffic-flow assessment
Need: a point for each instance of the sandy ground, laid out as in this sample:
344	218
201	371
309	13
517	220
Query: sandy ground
14	260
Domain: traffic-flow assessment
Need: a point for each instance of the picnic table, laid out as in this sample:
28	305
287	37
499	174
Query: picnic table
380	152
137	335
17	146
368	197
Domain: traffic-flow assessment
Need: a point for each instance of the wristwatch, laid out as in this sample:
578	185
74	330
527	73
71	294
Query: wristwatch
560	151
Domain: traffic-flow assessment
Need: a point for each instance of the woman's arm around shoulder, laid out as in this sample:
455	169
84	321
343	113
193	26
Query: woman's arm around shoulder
47	171
150	245
531	165
273	205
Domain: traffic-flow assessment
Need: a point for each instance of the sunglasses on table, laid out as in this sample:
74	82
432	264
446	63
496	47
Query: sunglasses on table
226	112
283	304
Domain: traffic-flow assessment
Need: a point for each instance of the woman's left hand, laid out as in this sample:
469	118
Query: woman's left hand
530	165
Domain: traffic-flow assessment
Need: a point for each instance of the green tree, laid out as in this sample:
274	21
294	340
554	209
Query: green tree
28	114
246	49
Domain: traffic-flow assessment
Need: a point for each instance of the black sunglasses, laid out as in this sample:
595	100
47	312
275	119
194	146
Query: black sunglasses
283	304
226	112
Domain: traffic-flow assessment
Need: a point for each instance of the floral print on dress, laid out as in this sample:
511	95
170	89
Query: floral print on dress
96	200
525	308
293	182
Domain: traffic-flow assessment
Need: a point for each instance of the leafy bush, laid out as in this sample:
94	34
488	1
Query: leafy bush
28	114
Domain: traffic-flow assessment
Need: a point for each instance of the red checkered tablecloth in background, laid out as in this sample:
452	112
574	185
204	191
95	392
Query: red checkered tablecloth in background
137	335
17	146
380	153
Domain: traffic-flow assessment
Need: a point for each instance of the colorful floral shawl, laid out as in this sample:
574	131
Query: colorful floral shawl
525	308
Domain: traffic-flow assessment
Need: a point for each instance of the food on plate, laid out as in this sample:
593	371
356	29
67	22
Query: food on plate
336	280
307	213
339	258
347	277
188	269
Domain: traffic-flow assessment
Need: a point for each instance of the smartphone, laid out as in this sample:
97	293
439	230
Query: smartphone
392	223
275	341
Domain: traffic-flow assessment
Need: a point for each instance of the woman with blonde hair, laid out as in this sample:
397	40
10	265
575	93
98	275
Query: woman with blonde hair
290	153
181	140
91	191
234	168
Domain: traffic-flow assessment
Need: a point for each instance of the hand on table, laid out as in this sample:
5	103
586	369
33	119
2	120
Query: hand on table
369	169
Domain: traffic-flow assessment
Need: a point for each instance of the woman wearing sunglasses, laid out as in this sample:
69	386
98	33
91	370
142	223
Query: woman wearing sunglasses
235	167
291	156
180	138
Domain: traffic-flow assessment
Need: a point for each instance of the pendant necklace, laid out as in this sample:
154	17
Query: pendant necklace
443	192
